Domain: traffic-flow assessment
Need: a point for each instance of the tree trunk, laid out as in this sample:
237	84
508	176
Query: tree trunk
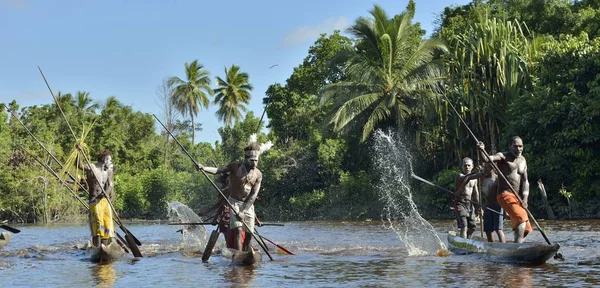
166	148
193	127
545	200
493	147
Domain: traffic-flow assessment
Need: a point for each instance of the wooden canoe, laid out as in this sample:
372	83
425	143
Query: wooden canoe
527	253
246	258
105	253
4	239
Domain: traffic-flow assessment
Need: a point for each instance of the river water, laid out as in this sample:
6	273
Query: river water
328	254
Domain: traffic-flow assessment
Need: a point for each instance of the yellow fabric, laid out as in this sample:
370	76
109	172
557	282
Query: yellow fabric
101	219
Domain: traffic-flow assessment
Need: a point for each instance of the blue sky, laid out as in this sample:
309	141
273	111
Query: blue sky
126	48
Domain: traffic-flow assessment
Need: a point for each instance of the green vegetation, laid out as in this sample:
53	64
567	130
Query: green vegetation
519	67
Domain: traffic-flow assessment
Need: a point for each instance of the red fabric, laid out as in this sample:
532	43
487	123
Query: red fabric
229	234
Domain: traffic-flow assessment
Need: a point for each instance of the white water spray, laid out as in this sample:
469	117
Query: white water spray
194	236
392	159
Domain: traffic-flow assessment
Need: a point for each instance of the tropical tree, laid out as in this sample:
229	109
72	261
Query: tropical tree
389	76
191	94
490	66
231	95
84	103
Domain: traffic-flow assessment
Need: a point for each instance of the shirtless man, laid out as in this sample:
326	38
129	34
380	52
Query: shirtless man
245	180
513	166
492	221
466	192
100	177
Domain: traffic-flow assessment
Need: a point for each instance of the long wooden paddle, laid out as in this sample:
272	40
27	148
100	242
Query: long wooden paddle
10	229
57	162
128	235
278	246
259	239
480	200
557	256
255	233
446	190
119	239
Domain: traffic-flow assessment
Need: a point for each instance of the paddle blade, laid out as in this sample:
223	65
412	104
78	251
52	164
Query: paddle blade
10	229
214	236
131	243
121	243
127	232
278	246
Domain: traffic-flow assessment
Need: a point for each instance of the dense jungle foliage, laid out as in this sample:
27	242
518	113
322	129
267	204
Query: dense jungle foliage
511	67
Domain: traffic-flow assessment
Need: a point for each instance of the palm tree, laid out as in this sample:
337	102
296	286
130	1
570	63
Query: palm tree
232	94
84	103
388	77
190	95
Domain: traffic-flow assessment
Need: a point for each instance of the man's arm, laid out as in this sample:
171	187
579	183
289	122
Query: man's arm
495	158
109	188
525	187
465	179
458	184
476	199
254	192
212	170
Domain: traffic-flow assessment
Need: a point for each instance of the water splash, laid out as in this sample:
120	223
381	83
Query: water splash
392	159
194	236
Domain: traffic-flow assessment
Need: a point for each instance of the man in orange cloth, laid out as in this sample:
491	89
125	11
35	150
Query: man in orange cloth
513	166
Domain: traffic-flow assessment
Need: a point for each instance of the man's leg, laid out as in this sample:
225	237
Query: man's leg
470	232
490	236
463	227
247	241
95	224
238	238
520	233
501	237
249	218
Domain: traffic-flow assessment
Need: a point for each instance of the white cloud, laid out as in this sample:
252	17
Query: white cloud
310	33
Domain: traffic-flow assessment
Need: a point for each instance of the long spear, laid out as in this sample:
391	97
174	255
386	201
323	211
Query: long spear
128	236
120	239
10	229
255	232
557	256
61	166
446	190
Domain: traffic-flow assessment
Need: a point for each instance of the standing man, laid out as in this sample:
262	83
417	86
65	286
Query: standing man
466	193
100	177
513	166
492	221
244	180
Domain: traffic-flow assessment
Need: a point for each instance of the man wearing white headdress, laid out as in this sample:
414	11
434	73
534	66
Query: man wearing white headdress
245	180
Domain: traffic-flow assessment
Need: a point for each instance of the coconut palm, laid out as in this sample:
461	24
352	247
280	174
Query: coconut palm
84	103
232	95
191	94
388	77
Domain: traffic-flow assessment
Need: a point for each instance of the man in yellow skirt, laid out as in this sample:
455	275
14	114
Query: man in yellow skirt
99	177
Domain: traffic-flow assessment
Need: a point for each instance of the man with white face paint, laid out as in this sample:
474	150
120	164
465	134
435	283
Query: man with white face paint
100	177
513	166
245	180
466	194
